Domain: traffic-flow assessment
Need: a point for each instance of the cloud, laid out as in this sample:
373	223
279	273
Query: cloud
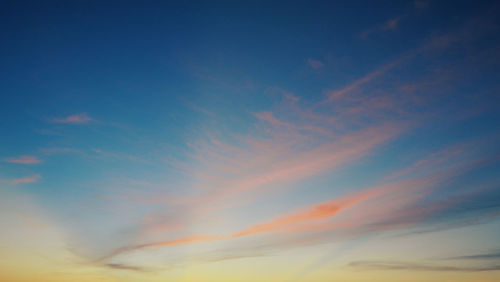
294	141
401	205
271	119
239	169
420	4
389	25
315	64
443	157
315	212
334	95
271	162
356	90
120	266
23	160
292	128
410	266
292	222
28	179
227	170
484	256
228	175
74	119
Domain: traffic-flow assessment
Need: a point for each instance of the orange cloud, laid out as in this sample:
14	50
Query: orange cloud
187	240
227	175
269	163
318	211
23	160
389	206
311	213
77	119
28	179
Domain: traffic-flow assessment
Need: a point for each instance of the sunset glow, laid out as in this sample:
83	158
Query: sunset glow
250	141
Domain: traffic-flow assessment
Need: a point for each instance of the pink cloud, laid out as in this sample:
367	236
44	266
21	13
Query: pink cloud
76	119
231	172
292	128
445	158
23	160
269	117
320	211
384	207
419	4
389	202
230	175
273	162
311	213
28	179
389	25
315	64
223	171
334	95
380	204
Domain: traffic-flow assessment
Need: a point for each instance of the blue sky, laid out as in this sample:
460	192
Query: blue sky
145	141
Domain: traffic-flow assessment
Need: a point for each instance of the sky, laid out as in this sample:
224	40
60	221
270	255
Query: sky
249	141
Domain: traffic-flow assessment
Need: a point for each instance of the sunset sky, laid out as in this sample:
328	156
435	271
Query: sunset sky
249	141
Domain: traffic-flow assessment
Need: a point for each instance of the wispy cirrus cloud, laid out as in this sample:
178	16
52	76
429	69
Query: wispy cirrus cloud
25	159
320	211
389	25
443	157
415	266
470	31
280	152
120	266
80	118
399	205
420	4
334	95
315	218
290	143
482	256
392	23
315	64
28	179
235	171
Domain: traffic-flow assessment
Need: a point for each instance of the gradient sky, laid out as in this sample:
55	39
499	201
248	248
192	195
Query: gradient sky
250	141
